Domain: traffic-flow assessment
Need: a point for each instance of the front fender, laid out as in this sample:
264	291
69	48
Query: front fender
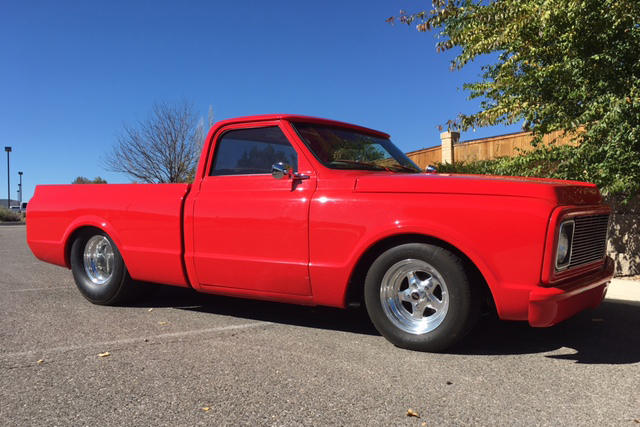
503	236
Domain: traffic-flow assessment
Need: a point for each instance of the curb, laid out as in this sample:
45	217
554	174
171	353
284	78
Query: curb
12	223
626	290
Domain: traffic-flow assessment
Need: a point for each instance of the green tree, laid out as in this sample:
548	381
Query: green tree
357	150
85	180
561	65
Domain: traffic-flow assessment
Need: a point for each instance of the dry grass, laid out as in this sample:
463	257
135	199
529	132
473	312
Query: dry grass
9	216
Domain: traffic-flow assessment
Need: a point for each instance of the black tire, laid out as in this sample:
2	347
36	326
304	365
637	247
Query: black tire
419	297
106	286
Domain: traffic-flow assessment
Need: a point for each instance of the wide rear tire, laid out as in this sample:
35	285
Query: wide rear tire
99	270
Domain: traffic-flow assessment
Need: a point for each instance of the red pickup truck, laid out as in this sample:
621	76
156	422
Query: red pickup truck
313	211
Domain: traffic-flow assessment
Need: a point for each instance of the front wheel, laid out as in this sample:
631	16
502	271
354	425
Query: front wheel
99	270
419	297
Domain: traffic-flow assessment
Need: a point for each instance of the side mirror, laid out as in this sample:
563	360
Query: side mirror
431	169
284	170
281	171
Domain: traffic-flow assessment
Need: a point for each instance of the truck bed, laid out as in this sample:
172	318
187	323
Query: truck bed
144	220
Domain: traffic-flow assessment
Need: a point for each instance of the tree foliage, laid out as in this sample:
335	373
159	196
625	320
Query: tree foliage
571	65
85	180
360	150
163	148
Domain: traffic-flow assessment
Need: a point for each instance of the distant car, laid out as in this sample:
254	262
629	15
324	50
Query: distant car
23	207
15	209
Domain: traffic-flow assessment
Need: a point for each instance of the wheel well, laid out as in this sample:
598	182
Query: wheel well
72	237
355	291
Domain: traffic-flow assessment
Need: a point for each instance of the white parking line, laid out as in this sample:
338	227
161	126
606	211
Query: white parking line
37	289
134	340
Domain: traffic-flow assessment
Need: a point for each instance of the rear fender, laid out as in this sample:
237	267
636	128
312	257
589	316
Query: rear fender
90	221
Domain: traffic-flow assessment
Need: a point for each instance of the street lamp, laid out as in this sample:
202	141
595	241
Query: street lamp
8	150
20	188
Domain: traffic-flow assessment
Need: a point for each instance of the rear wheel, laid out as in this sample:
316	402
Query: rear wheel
419	297
99	270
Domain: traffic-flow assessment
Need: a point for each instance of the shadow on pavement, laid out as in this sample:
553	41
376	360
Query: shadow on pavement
609	334
351	320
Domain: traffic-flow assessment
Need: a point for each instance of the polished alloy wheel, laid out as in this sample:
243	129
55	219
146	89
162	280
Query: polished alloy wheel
414	296
98	259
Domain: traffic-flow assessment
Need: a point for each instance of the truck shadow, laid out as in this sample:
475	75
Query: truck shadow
351	320
609	334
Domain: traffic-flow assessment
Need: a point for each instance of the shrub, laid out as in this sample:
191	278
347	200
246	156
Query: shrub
9	216
560	162
477	167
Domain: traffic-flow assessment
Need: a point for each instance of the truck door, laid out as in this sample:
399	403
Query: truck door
250	229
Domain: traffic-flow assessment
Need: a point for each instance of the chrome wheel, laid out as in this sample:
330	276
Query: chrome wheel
414	296
98	259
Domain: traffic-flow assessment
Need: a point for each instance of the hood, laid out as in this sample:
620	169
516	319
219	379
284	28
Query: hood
557	191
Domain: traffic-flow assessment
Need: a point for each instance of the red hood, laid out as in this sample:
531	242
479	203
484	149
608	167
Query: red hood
557	191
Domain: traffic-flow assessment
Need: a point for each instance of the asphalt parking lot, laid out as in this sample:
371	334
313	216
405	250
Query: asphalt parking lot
184	359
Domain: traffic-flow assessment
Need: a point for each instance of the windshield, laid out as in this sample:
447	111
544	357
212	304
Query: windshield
341	148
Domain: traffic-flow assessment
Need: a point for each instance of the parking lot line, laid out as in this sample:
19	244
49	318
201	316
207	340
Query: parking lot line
37	289
134	340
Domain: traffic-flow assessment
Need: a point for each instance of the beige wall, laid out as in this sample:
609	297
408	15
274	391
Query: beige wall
483	149
426	156
624	240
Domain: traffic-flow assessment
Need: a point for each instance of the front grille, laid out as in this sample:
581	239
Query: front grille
589	240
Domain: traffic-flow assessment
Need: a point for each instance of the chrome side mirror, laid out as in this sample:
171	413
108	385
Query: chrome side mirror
285	170
281	170
431	169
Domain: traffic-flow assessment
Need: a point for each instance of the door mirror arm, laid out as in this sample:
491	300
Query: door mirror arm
284	170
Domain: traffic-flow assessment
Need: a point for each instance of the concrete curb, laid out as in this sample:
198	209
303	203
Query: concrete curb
626	290
11	223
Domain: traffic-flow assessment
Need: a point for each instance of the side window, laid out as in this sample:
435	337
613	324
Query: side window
252	151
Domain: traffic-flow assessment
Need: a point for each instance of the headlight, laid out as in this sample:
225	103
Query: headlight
563	250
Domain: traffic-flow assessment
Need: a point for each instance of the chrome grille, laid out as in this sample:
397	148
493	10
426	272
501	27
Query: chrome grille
589	239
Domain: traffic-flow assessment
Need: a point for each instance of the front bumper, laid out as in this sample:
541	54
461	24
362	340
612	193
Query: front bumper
548	306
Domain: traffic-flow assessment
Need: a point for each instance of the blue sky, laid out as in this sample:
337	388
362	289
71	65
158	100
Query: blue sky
73	71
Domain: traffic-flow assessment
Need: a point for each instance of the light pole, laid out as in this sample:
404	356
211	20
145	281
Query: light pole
20	188
8	150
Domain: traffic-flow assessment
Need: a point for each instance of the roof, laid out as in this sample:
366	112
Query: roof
302	119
